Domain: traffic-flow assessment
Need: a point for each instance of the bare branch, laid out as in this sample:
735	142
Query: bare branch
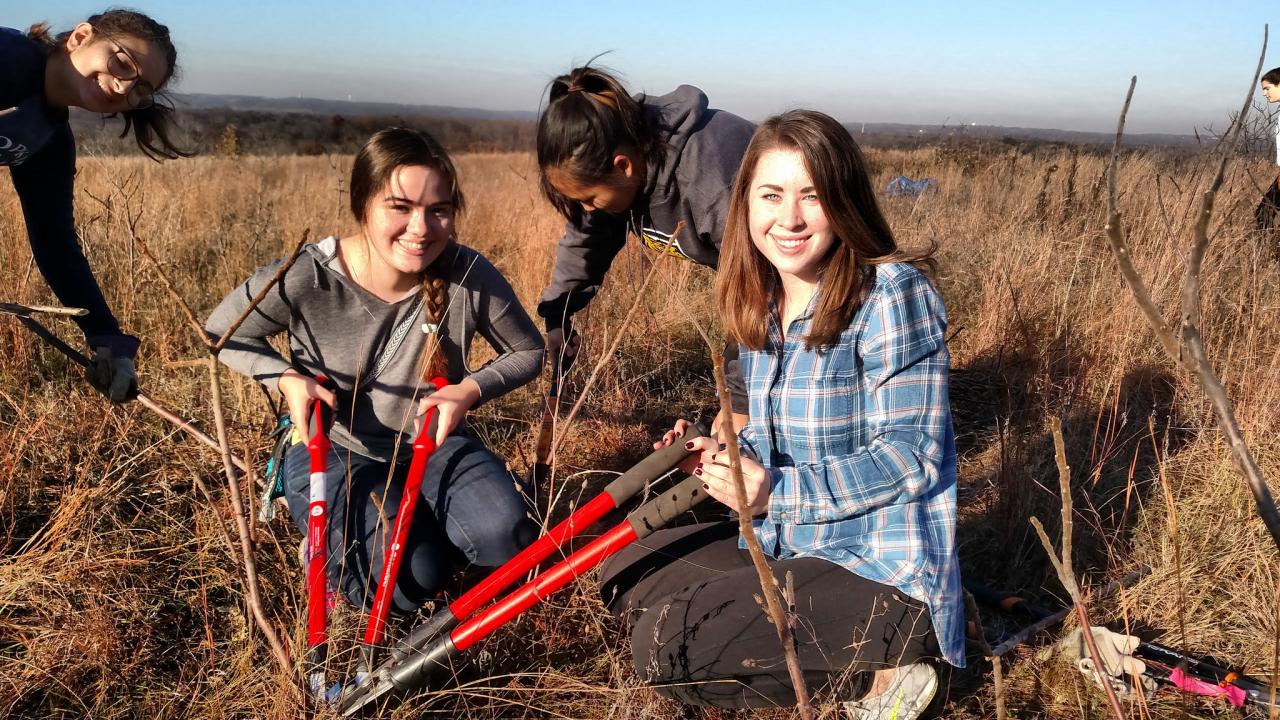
997	669
29	310
619	334
768	583
262	294
1063	565
173	289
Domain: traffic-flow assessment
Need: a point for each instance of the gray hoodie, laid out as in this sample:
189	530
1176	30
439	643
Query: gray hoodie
341	330
703	148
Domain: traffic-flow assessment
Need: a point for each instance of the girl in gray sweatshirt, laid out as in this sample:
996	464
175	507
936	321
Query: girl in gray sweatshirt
381	313
612	164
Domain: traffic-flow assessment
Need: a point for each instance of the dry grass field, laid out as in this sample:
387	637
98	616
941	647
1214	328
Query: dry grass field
119	597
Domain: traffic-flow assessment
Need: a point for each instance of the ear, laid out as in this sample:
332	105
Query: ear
80	36
624	163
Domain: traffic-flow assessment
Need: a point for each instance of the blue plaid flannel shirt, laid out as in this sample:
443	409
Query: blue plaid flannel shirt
858	441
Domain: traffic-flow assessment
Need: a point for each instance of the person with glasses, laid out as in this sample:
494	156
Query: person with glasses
116	63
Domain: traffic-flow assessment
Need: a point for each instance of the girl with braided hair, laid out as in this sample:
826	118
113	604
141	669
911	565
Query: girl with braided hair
116	63
380	313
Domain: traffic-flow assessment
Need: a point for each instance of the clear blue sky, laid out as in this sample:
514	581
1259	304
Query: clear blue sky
1034	64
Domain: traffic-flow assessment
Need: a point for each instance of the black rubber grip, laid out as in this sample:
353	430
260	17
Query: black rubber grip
657	464
664	508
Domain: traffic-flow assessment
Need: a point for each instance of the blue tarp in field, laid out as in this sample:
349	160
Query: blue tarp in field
903	186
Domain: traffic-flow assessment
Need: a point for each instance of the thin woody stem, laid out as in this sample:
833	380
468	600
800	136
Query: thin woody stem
768	583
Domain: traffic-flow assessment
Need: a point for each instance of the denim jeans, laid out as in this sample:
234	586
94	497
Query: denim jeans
469	505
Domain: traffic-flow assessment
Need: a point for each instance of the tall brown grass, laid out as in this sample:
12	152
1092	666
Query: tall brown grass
118	597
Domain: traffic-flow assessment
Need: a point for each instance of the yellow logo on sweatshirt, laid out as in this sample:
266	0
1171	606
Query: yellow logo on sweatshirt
659	241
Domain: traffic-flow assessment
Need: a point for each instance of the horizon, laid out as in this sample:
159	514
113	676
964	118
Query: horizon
932	64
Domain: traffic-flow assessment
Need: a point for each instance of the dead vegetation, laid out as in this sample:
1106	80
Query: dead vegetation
120	598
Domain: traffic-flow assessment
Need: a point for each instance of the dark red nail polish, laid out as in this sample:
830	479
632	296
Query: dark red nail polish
698	471
688	445
705	486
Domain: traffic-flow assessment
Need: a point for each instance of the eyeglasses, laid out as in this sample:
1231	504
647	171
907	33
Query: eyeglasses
123	67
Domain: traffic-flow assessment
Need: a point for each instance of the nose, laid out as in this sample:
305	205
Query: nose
588	207
790	215
122	87
417	223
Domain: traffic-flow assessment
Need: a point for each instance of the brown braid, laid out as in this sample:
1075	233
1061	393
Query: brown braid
435	293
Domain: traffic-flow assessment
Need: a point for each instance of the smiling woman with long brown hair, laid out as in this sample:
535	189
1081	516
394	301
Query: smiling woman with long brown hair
116	63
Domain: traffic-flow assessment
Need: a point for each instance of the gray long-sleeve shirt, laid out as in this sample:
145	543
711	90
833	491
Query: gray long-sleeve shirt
339	329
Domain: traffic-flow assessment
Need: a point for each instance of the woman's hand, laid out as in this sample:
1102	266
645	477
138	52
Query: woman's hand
451	403
299	392
717	477
673	435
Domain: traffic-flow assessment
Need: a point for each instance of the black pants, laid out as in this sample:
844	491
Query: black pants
1268	208
697	632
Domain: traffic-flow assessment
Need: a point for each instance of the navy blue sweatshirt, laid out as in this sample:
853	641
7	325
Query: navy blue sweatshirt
37	145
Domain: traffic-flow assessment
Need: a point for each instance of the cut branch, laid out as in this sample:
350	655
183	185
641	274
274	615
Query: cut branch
1063	565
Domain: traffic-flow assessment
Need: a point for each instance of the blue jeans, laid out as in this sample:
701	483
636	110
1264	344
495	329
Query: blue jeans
469	505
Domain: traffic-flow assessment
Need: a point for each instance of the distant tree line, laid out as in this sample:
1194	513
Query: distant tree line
245	132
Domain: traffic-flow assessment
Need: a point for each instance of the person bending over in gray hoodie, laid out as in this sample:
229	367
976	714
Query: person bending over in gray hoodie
612	163
380	313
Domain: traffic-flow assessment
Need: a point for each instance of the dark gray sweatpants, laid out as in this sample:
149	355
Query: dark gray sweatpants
697	632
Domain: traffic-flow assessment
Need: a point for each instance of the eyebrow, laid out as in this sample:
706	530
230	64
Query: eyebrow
407	201
779	188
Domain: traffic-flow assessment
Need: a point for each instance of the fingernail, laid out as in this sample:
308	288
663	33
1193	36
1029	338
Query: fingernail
698	471
706	486
688	445
723	446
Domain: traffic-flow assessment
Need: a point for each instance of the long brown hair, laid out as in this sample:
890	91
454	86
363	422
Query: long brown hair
746	282
152	125
371	171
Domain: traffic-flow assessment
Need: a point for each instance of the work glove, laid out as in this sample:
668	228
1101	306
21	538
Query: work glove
1116	651
113	375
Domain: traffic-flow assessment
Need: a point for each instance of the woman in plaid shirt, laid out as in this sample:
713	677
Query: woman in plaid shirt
849	457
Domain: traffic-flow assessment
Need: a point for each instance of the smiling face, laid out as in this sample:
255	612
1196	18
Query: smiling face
107	74
408	225
787	223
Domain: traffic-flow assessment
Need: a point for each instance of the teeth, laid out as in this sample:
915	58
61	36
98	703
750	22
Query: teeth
413	245
791	243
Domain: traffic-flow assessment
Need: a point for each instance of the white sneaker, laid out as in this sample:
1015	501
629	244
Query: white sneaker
909	693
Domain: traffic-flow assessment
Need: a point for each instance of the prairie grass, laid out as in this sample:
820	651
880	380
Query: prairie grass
119	597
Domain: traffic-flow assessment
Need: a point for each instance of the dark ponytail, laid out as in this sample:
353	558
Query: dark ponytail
588	119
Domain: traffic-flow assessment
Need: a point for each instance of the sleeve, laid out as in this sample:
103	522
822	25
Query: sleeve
747	444
510	331
248	351
582	259
905	362
45	184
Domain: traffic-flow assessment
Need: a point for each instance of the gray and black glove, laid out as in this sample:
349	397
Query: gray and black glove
113	375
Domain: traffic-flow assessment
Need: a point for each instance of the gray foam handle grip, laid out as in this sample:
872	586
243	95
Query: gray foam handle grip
657	464
664	508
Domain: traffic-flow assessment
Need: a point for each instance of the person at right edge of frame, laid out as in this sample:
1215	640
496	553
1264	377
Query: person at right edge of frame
610	163
1269	208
